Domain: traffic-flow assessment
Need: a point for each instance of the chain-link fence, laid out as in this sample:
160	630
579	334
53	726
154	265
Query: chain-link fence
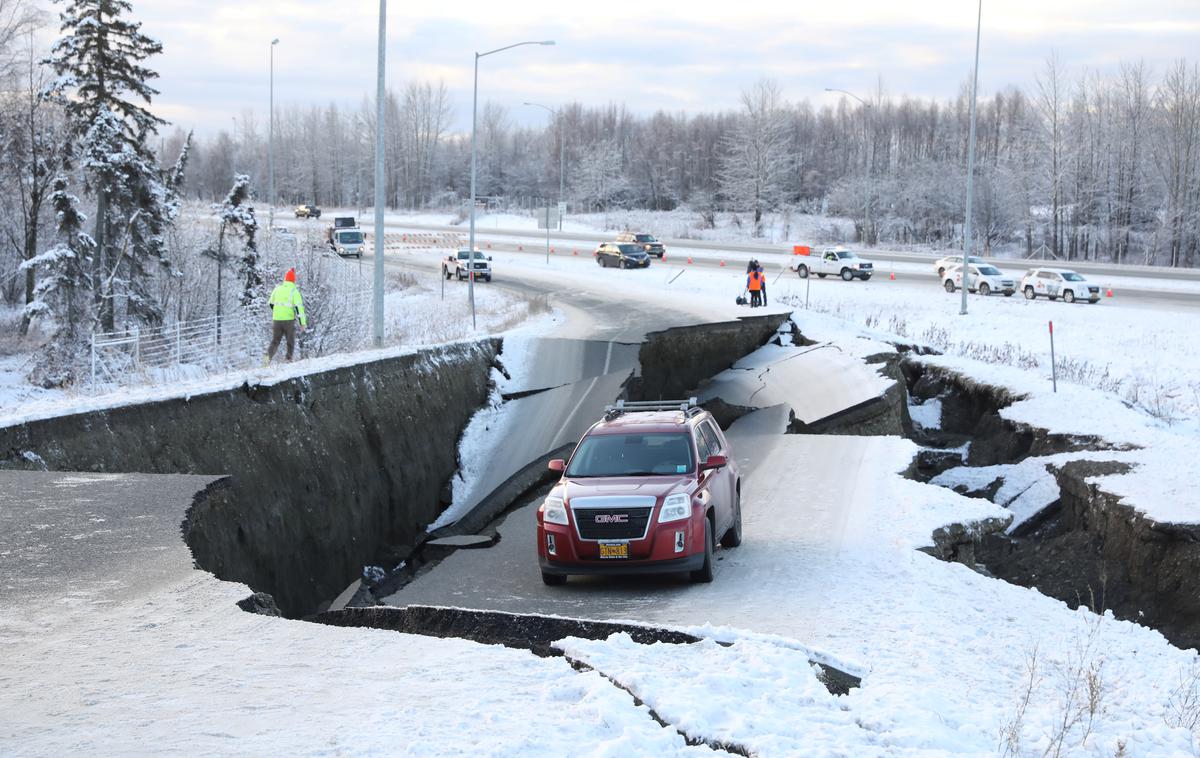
337	299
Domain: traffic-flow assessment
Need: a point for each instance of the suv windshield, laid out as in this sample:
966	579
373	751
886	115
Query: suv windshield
989	271
644	238
632	454
1071	276
630	249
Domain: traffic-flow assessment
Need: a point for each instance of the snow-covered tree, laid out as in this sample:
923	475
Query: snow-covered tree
104	89
62	292
599	179
237	218
758	154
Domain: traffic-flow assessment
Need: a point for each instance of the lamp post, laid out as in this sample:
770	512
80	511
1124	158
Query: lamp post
271	146
380	177
474	113
561	145
967	231
870	154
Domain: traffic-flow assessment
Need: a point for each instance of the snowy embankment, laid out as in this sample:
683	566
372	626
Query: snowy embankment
418	312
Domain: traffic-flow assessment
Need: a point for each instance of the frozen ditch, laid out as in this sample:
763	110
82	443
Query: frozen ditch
1067	538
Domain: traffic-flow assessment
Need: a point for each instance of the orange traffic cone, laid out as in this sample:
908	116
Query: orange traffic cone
722	264
1109	292
489	246
574	252
689	259
520	248
663	257
892	276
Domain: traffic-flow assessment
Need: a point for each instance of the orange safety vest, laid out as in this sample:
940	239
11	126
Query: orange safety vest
756	281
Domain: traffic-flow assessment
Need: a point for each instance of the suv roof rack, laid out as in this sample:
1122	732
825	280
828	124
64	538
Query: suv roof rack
688	407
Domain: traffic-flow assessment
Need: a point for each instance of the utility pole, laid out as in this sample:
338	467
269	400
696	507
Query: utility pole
967	231
474	121
557	114
271	147
380	177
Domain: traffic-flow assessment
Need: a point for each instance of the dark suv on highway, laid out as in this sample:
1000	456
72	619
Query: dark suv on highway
651	488
621	255
647	241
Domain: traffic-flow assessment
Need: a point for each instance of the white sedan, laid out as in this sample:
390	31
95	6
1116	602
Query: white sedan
952	260
984	279
1058	282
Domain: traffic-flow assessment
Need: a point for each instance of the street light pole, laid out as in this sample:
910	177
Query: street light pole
380	177
967	232
474	121
561	144
271	147
870	154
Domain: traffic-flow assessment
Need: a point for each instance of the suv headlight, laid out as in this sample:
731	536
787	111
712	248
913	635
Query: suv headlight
554	511
675	508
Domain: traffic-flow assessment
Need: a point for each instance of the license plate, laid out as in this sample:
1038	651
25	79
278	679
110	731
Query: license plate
614	549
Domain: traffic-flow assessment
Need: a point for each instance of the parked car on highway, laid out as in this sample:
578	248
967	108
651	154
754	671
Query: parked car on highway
984	279
648	242
833	260
308	211
1058	282
952	260
651	488
457	265
621	255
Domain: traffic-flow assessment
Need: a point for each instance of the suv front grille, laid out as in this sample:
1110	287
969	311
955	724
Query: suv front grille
612	523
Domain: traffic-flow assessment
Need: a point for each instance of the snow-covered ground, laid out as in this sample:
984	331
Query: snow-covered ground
953	662
419	312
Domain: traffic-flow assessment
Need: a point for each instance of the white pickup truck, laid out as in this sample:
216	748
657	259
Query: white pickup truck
834	260
457	265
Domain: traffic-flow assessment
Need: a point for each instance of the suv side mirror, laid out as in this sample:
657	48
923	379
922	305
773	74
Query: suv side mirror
557	464
713	462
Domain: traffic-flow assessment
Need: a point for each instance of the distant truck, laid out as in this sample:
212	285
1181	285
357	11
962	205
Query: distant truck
345	238
833	260
463	263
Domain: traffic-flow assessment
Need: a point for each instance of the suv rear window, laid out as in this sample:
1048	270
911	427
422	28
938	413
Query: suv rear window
632	454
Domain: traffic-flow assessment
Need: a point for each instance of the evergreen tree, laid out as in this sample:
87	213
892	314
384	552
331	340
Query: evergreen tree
61	294
237	215
104	89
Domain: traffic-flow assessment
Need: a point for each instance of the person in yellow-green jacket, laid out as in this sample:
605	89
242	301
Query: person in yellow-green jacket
286	304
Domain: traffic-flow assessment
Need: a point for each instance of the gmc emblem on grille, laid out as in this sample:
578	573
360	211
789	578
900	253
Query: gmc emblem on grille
612	518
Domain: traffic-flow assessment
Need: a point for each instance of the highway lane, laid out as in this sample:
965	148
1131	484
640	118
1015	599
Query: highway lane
793	548
1122	295
579	369
747	249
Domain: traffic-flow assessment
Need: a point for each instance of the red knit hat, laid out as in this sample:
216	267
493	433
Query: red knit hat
290	276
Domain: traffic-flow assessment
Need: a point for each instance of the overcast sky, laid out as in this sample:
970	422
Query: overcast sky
689	55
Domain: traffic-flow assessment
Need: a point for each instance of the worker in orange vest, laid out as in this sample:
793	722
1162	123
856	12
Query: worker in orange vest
754	283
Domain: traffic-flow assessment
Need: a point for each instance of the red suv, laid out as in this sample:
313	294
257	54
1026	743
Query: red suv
650	488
